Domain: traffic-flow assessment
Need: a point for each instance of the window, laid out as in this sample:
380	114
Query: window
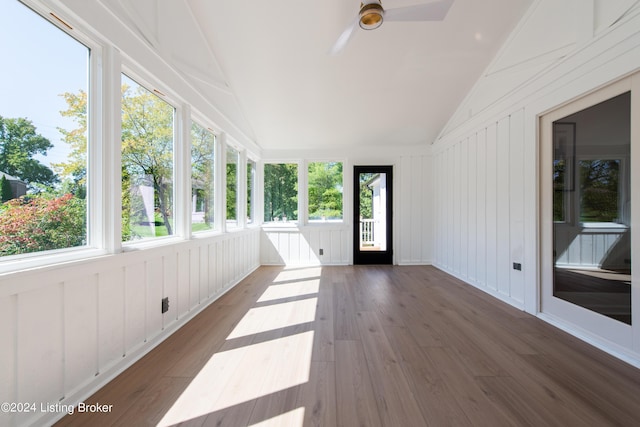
251	188
147	163
43	135
280	192
600	194
325	191
232	187
202	178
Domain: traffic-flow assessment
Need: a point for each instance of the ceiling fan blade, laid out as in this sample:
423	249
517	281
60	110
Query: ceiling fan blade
344	38
434	11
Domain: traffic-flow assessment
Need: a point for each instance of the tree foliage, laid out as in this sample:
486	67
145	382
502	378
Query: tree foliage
147	149
5	189
280	191
19	143
232	185
40	223
74	169
366	196
202	170
325	190
599	181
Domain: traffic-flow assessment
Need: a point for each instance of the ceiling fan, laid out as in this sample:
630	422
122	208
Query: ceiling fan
372	14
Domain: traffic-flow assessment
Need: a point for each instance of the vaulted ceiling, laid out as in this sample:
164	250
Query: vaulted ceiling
266	65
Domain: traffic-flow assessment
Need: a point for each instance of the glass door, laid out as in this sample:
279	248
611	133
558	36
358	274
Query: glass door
372	237
588	172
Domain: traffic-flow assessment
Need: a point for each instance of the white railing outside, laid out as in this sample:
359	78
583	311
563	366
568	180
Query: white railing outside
366	232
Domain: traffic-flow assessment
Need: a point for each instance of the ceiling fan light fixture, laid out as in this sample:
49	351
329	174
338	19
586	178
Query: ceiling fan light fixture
371	16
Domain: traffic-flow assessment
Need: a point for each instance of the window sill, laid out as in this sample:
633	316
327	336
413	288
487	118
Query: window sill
598	226
150	243
41	260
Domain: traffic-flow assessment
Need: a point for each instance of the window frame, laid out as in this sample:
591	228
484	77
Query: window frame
252	183
227	147
301	189
97	201
623	190
216	178
180	146
308	220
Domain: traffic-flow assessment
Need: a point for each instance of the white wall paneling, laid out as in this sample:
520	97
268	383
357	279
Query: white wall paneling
540	68
301	245
414	208
72	328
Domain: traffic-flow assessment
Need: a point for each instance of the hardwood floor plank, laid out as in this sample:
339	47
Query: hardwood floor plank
396	403
345	325
323	345
354	392
474	403
511	398
436	401
318	395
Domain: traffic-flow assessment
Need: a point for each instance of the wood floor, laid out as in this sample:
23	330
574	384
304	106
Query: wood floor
368	346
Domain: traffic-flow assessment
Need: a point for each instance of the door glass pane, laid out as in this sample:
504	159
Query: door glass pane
591	208
373	212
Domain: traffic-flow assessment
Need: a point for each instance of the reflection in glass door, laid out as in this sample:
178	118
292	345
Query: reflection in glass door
372	215
591	208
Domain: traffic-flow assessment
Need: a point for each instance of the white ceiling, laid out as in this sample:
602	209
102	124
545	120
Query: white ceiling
266	66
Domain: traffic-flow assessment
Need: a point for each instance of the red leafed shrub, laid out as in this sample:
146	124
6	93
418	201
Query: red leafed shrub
40	223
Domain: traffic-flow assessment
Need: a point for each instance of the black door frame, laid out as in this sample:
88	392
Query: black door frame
372	257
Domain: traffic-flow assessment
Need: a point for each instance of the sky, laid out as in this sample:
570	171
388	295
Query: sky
39	62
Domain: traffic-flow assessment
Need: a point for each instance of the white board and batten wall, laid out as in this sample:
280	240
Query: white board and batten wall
69	329
486	160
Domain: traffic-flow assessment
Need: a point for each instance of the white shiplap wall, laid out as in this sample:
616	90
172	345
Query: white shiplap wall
68	329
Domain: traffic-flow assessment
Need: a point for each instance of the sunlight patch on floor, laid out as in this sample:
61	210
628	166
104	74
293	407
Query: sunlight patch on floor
293	418
288	290
240	375
277	316
305	273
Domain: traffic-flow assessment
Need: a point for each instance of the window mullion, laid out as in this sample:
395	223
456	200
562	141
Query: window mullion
182	171
110	147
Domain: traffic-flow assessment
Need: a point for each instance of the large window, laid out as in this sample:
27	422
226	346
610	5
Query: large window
325	191
251	190
280	192
232	187
43	135
147	163
202	178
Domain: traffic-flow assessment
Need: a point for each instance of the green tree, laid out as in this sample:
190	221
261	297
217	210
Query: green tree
280	191
232	185
202	169
147	146
5	189
366	196
325	190
19	143
74	170
599	181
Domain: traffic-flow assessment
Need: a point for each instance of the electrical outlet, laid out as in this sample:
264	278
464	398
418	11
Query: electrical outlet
165	304
517	266
321	251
